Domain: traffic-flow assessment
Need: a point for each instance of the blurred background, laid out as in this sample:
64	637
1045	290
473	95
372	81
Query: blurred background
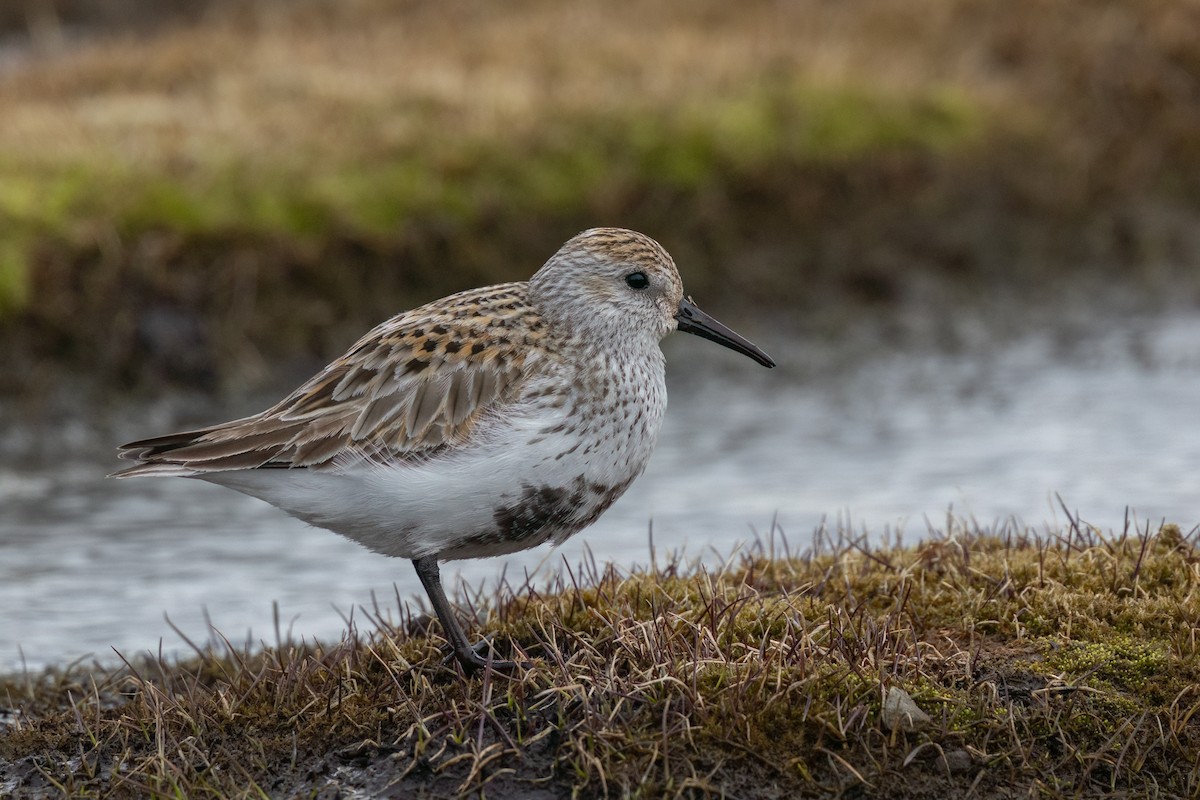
968	232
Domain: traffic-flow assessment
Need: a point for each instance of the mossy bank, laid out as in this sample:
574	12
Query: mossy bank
992	662
266	181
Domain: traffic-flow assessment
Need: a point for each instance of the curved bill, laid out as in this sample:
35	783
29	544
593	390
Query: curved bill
693	320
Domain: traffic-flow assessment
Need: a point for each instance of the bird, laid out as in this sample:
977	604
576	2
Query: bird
481	424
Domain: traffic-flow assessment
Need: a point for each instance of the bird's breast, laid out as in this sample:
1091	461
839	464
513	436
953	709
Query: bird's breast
605	420
579	445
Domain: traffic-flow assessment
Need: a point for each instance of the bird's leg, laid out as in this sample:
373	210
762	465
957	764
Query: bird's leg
468	656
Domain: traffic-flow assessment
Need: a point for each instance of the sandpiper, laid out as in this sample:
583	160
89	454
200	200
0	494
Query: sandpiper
483	423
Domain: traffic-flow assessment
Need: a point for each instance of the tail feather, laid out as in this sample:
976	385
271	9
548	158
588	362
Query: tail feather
195	452
158	445
152	468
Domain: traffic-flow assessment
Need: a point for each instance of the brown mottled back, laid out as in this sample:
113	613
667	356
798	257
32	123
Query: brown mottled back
416	383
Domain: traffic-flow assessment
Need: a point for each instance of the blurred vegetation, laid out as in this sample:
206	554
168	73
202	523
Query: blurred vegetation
193	193
1057	665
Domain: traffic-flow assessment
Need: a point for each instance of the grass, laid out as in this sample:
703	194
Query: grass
275	178
217	129
465	176
1056	664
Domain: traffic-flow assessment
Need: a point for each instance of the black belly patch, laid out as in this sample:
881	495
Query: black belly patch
554	510
539	507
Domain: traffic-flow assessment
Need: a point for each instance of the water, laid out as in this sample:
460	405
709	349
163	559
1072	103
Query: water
883	436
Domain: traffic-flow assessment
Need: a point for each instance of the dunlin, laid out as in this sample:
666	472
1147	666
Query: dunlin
483	423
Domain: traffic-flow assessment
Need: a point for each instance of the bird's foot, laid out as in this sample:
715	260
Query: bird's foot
480	656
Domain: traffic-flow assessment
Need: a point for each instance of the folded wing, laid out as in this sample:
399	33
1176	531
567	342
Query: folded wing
416	384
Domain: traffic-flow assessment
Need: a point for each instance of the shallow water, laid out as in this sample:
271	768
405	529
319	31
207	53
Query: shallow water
885	439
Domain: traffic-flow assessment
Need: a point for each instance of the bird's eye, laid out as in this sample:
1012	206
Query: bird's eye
637	280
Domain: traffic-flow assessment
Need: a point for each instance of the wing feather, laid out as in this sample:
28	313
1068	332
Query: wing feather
416	384
459	396
426	405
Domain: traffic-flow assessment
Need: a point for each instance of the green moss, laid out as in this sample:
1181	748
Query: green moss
1118	662
1122	660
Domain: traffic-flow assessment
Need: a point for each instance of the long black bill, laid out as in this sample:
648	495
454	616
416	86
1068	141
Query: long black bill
693	320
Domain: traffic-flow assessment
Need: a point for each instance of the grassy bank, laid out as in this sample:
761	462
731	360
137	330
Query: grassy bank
270	179
1058	665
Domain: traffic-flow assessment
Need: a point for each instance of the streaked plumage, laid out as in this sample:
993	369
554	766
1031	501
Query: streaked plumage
480	424
416	383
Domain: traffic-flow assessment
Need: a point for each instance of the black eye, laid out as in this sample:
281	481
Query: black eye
637	280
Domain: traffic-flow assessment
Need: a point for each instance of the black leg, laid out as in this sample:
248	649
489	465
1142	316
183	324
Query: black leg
468	656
